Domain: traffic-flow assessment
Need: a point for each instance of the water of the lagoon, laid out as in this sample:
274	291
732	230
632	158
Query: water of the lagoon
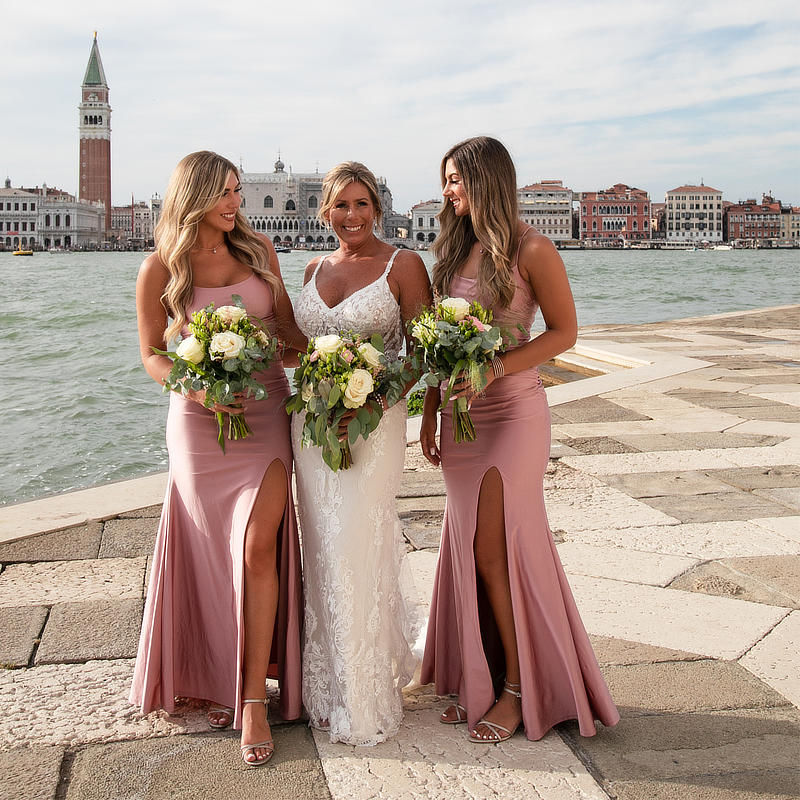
81	411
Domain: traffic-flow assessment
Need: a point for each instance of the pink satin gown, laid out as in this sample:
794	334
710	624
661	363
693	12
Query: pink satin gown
192	635
463	653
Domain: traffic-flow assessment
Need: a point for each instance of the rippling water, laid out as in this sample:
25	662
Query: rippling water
82	411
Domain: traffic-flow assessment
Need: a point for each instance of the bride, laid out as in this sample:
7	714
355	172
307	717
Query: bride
356	656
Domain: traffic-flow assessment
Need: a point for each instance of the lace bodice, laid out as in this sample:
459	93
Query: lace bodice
371	309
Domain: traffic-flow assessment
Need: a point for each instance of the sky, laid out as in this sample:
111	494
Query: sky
654	95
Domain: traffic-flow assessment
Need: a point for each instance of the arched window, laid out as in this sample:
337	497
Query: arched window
290	205
268	202
312	202
58	220
85	119
47	220
66	221
244	202
431	237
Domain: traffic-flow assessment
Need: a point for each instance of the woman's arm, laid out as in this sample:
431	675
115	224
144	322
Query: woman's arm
414	293
287	331
151	317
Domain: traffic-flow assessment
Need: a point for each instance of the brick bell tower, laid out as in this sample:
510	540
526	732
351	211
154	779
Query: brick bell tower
94	126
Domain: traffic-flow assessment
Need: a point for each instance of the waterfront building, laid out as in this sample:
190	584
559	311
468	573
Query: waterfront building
658	220
133	225
425	223
46	217
620	213
547	206
694	214
19	217
66	222
94	132
754	223
790	224
284	206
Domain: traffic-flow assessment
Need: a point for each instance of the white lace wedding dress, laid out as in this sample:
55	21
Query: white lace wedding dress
356	656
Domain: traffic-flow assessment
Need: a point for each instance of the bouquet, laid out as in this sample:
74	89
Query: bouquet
224	349
454	337
337	373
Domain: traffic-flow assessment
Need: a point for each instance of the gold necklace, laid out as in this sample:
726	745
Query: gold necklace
211	249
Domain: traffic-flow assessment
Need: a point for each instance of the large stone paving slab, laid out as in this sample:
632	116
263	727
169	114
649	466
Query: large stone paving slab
681	686
703	540
718	506
595	409
19	631
604	507
776	658
694	746
72	704
774	580
30	773
98	629
430	760
128	537
198	767
665	461
80	542
717	627
421	484
66	581
789	497
760	477
659	484
620	652
621	564
779	784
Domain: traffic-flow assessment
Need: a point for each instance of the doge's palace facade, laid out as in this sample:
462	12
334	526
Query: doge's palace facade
283	205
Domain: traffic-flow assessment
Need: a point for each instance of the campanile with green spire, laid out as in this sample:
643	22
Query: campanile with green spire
94	126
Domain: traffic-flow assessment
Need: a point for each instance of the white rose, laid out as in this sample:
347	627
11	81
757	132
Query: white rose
226	345
190	349
328	344
370	354
307	392
230	314
357	389
458	306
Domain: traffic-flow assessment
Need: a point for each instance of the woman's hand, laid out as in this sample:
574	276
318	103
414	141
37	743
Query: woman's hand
199	396
427	438
348	415
463	387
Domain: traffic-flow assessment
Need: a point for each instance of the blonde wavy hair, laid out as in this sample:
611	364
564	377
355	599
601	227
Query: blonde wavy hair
490	182
339	178
195	187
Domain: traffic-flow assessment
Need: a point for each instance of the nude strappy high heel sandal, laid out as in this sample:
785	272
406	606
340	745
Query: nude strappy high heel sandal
461	715
267	745
497	733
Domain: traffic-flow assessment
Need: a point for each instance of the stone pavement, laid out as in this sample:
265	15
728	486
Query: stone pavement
674	495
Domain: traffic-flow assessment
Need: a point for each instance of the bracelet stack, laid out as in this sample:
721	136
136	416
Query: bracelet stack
498	367
382	402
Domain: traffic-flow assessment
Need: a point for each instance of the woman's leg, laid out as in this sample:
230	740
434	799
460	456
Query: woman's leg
491	563
261	602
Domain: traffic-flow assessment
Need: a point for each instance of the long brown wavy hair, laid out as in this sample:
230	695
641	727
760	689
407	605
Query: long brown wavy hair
490	181
195	187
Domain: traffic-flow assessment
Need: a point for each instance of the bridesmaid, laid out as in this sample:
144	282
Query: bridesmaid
504	632
224	603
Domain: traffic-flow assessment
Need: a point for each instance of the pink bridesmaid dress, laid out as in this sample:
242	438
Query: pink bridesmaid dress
192	637
463	653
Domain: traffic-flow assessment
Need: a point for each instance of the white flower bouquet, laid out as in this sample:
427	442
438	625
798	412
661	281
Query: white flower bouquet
225	348
452	338
338	373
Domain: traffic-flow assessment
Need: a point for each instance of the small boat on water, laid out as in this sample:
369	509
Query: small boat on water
20	252
722	247
279	249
